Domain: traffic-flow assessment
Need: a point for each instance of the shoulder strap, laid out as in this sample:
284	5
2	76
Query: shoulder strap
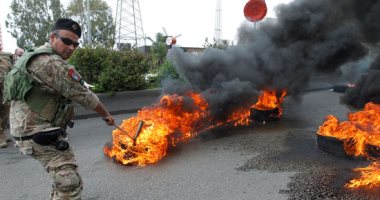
23	61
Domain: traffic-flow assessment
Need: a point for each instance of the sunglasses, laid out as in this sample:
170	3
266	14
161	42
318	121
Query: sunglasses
67	41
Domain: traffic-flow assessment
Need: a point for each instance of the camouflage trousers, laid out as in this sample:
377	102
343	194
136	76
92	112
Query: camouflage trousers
4	116
62	168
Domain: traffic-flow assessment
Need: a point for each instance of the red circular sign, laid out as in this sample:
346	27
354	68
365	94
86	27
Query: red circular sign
255	10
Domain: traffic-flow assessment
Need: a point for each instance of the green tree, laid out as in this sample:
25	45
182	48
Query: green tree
30	21
158	50
102	27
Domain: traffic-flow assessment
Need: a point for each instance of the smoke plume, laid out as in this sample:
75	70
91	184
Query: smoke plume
308	36
367	89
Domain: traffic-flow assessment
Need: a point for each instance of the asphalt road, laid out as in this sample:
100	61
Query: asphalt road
277	160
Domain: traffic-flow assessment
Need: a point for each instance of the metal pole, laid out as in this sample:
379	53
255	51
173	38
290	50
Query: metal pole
134	22
88	13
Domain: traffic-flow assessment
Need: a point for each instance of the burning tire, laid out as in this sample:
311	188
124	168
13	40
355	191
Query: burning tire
342	88
334	146
373	152
268	106
264	115
358	136
339	88
331	145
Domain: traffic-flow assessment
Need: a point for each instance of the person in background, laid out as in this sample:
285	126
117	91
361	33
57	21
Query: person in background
5	66
18	53
38	123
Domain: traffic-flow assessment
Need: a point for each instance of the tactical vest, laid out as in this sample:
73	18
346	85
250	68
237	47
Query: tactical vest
19	85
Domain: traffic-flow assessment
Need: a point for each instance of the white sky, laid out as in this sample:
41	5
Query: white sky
194	19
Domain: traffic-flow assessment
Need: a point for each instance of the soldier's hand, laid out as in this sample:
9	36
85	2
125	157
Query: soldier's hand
109	120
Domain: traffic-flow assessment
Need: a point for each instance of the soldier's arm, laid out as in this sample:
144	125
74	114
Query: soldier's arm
55	74
105	114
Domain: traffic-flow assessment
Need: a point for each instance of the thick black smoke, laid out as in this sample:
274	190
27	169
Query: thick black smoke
367	89
353	71
376	64
308	36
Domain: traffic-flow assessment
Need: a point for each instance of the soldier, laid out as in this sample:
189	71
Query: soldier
5	66
41	87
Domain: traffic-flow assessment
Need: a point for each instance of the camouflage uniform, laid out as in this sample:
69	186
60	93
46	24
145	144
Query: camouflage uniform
51	73
4	109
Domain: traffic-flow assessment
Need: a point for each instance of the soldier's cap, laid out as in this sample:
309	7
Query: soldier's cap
69	25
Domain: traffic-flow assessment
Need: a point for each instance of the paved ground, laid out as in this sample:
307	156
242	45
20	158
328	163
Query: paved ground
277	160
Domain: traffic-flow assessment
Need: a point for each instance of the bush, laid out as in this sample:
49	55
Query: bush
89	62
167	70
124	71
111	71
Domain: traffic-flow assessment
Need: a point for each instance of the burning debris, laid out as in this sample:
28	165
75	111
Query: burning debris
174	119
359	137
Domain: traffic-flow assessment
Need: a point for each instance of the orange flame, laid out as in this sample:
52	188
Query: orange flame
173	119
369	177
166	123
361	129
269	100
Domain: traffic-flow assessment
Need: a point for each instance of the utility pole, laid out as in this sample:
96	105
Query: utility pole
218	22
128	23
88	19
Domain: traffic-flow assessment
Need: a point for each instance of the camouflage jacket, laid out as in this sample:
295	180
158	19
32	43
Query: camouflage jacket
5	66
51	73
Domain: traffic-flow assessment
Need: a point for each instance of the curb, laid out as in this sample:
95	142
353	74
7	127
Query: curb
121	103
132	101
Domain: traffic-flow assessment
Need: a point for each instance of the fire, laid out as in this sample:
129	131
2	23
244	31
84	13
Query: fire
361	130
369	177
270	99
172	120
